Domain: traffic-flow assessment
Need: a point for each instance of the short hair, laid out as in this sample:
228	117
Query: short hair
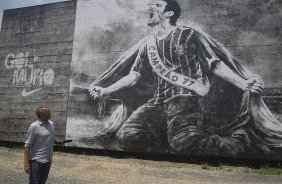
38	110
173	5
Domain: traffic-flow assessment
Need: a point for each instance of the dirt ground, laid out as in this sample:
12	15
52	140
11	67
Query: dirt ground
71	168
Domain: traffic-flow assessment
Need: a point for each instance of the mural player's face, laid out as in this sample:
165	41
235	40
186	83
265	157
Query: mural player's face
156	12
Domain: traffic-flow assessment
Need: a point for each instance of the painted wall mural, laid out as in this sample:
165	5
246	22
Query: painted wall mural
148	78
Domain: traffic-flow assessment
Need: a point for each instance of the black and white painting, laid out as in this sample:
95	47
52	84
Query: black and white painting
179	77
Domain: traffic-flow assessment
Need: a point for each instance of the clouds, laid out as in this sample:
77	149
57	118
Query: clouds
103	30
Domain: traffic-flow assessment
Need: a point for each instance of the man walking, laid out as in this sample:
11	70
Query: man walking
38	149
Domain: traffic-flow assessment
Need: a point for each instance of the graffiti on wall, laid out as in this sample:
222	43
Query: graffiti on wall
176	90
26	74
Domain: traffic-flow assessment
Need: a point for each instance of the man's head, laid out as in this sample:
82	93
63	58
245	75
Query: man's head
43	114
163	9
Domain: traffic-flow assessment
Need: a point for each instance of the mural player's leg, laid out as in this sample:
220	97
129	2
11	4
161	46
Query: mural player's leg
144	130
184	119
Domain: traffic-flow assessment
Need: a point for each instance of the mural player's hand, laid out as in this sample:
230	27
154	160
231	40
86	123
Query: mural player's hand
255	84
27	168
97	92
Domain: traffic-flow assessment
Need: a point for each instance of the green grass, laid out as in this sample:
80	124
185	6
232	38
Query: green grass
13	149
268	171
205	166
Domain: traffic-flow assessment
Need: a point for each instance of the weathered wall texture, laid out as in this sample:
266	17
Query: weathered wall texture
35	54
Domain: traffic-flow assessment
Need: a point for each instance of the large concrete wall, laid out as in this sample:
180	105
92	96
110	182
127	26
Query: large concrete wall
59	49
35	54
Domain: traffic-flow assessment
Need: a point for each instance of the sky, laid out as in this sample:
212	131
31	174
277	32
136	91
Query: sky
11	4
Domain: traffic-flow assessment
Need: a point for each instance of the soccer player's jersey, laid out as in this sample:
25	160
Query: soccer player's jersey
183	51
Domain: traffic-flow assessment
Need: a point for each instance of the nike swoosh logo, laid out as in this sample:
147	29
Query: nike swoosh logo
24	93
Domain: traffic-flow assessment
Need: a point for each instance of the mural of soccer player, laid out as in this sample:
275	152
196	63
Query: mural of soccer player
183	92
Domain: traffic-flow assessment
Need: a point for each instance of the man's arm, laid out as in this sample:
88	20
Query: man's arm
224	72
26	160
30	139
129	80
